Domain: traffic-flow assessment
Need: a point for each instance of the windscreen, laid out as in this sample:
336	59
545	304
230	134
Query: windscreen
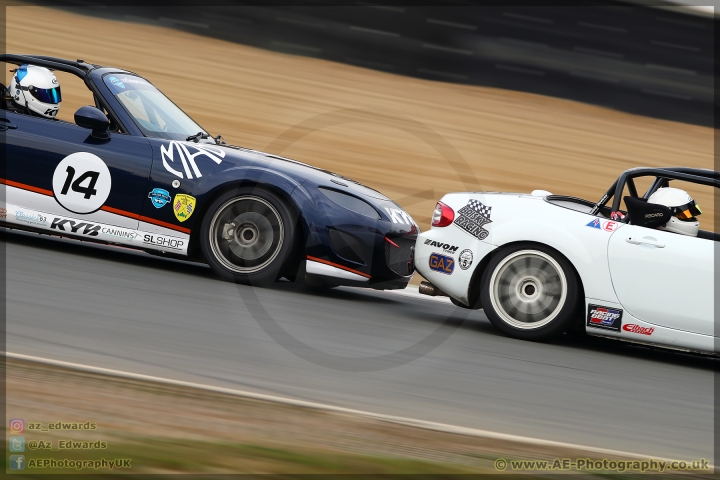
153	112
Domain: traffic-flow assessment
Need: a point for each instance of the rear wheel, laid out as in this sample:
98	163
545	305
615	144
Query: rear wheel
530	292
248	236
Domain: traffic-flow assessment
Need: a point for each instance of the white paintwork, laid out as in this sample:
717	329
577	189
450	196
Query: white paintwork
664	278
317	268
668	288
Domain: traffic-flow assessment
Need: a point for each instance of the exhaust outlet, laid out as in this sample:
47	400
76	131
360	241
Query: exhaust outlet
427	288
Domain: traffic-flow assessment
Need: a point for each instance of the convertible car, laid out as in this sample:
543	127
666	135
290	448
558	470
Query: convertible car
135	170
540	264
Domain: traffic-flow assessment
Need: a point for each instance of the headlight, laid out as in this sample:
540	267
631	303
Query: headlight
351	203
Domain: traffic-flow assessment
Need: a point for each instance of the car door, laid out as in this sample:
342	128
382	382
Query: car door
59	169
663	278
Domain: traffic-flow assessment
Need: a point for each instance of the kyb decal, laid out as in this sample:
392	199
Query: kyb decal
442	263
399	216
77	227
181	151
446	247
604	317
472	217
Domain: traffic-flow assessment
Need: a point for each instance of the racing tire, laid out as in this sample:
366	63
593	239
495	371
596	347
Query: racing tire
248	236
530	292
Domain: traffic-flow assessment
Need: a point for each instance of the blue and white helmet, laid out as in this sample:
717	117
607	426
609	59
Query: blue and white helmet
37	89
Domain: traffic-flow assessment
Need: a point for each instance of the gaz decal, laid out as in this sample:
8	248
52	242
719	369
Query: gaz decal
442	263
187	159
81	182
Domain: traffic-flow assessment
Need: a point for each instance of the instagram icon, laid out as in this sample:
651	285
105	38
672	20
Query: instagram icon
17	425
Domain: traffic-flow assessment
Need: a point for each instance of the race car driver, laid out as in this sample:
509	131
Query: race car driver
33	91
682	208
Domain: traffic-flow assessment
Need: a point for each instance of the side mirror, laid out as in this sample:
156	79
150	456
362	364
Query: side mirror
94	119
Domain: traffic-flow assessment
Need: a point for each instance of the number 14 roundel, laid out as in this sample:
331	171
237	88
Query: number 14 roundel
81	182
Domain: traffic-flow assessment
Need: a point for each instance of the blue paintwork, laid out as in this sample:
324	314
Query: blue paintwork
135	161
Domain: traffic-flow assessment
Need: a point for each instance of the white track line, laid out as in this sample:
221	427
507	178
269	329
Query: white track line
412	422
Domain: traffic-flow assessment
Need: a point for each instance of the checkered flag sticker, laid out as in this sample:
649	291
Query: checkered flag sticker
478	206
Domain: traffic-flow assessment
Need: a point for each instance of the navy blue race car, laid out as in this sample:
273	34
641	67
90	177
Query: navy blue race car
135	170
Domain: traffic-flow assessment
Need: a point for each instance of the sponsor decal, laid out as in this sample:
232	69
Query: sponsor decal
183	206
594	224
81	182
632	328
31	218
653	215
132	81
164	241
399	216
604	317
3	212
442	263
610	226
187	159
119	233
446	247
75	226
465	259
115	81
607	225
159	197
472	217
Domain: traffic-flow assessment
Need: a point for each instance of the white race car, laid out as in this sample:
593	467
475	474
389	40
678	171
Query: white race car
542	264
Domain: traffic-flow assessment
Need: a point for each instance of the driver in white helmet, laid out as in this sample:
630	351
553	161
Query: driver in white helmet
682	208
33	91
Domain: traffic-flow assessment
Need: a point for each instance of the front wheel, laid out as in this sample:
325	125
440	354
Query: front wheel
248	236
530	292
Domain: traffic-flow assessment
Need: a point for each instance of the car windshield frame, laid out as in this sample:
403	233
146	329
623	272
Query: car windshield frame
155	115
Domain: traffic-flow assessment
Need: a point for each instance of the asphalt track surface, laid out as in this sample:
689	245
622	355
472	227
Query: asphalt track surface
114	308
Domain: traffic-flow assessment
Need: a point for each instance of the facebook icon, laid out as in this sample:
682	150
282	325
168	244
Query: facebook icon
17	462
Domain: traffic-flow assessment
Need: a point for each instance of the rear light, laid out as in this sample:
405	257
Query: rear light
443	215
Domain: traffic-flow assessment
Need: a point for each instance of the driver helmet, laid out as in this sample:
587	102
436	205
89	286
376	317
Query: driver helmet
37	90
682	207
